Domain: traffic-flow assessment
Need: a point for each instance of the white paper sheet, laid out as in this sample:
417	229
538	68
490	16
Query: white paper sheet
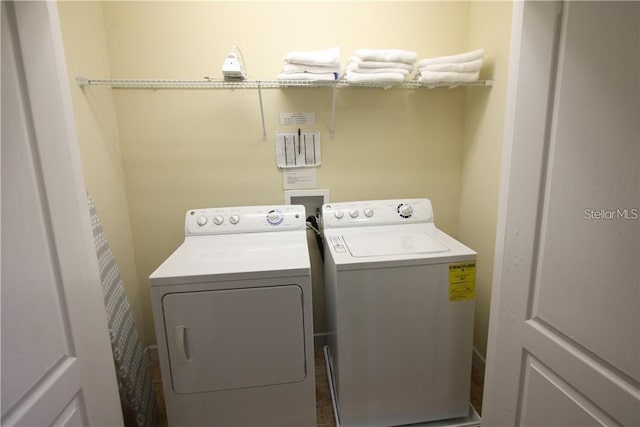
294	179
298	149
298	119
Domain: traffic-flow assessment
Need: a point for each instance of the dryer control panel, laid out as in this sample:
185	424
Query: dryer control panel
376	212
244	219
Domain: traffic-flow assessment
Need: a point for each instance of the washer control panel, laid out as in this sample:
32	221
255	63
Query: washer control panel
244	219
376	212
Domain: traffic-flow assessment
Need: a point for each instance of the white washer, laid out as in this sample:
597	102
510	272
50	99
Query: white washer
233	319
400	313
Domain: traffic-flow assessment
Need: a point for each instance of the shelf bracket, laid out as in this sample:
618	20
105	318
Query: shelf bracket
332	127
264	129
82	81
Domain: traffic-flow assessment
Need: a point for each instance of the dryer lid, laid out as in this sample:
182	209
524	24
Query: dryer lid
386	243
235	257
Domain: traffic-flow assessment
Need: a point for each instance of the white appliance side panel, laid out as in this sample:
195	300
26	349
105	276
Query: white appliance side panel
330	281
404	350
236	338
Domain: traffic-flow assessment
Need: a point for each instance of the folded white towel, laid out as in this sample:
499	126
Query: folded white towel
460	67
307	76
387	55
381	64
356	67
353	77
328	57
461	57
318	69
447	77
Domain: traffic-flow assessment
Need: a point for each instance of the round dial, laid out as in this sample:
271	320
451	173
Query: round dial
353	213
338	214
234	219
202	220
368	212
274	217
405	210
218	219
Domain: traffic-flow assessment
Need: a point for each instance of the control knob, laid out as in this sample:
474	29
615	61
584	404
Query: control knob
338	214
202	220
353	213
274	217
234	219
368	212
405	211
218	219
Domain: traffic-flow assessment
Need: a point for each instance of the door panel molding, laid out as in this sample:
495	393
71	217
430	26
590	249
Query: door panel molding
555	335
61	384
542	386
603	387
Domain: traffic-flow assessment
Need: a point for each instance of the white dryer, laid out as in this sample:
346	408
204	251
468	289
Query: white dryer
400	301
233	320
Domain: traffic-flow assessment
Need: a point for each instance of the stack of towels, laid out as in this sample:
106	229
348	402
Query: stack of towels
463	67
380	66
316	65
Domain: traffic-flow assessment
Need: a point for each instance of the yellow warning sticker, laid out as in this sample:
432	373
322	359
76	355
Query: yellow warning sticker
462	281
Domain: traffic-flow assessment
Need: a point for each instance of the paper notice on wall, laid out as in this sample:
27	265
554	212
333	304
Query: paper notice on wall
298	119
296	179
298	149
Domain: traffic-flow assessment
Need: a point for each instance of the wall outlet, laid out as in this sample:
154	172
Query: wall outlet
312	200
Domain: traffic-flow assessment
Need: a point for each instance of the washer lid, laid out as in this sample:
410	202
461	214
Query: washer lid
385	243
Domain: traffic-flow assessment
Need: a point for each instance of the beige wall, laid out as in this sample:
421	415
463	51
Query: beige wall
489	27
86	52
183	149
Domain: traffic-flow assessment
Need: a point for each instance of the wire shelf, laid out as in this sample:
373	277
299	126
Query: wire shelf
199	84
263	84
209	83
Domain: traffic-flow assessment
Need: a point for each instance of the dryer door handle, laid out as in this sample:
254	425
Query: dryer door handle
181	345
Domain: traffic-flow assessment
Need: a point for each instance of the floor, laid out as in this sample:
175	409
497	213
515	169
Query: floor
324	409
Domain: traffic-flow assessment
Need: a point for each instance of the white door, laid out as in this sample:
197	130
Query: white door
57	365
564	339
213	338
